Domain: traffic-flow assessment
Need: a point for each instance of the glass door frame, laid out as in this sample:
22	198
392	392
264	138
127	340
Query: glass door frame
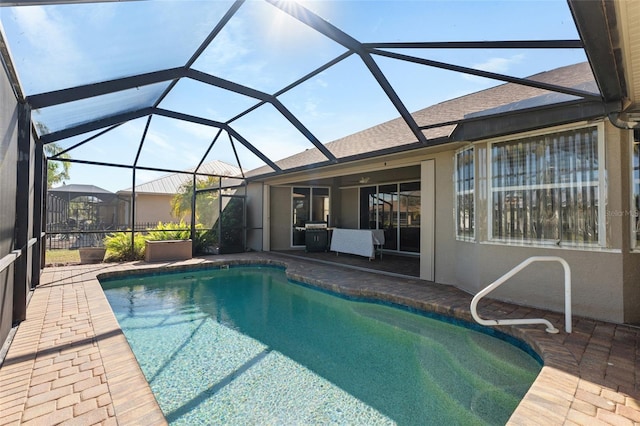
310	210
378	220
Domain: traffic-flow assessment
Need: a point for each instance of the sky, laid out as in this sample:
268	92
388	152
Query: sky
57	47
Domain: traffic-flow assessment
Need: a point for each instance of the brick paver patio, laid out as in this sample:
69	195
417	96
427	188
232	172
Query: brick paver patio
69	362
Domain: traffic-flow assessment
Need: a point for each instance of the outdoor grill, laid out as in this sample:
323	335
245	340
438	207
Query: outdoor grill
316	236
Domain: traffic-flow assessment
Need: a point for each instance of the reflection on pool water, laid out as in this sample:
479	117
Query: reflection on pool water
245	346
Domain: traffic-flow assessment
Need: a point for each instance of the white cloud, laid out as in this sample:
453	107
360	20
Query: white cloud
159	140
199	131
322	83
229	47
496	65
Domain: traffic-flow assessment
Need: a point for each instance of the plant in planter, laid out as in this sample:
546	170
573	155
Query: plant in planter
119	248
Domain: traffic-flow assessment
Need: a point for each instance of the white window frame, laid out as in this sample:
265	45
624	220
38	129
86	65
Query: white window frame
470	238
602	190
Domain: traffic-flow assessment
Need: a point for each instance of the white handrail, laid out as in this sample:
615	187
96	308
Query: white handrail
511	273
6	261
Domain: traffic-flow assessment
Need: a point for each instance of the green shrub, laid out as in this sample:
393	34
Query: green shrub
204	238
170	231
118	245
119	249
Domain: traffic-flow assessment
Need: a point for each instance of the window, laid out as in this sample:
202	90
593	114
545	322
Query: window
546	188
635	207
465	199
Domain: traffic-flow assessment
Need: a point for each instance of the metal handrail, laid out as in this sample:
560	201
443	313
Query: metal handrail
7	260
511	273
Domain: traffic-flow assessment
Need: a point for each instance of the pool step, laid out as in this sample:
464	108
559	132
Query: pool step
487	387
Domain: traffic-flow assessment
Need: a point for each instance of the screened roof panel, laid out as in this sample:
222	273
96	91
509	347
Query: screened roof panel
350	105
117	146
230	56
87	43
204	100
175	144
59	117
371	21
518	63
264	48
232	151
267	130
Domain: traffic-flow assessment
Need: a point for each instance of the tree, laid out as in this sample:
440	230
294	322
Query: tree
57	171
181	202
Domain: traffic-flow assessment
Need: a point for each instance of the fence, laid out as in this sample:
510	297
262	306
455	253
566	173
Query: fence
65	236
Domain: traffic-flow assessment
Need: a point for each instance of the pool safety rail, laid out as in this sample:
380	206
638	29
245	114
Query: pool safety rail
511	273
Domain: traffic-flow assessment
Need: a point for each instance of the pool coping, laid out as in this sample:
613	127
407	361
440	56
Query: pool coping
558	395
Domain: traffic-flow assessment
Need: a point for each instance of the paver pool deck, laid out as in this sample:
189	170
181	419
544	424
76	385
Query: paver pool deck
69	362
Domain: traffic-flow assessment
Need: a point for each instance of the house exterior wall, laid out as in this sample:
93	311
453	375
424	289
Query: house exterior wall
349	209
255	208
152	208
597	273
280	210
605	280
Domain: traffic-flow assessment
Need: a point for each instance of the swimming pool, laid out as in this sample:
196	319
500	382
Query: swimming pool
245	346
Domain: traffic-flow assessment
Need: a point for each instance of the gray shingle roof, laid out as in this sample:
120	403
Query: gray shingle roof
396	133
169	184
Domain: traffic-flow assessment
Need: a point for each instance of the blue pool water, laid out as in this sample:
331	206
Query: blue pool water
245	346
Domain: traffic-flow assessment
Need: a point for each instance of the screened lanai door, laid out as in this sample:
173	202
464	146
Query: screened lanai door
221	219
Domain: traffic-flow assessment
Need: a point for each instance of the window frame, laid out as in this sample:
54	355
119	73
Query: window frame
291	224
602	189
459	237
377	186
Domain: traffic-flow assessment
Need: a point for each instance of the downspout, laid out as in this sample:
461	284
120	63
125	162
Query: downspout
621	123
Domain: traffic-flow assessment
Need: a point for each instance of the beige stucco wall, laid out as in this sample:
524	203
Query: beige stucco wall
280	211
151	208
605	280
349	208
598	275
255	215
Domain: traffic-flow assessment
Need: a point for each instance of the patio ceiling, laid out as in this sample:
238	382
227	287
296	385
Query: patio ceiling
161	63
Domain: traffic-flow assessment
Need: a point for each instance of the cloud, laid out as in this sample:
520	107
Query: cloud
228	48
204	133
496	65
159	140
321	82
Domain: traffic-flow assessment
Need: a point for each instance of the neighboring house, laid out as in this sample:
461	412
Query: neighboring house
526	172
153	198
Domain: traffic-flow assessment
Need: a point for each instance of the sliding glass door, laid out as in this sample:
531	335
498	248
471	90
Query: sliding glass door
394	208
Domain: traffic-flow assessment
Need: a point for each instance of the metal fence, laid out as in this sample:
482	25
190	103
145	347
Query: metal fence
65	236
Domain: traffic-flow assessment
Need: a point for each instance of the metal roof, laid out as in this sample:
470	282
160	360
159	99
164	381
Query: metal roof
171	183
139	71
